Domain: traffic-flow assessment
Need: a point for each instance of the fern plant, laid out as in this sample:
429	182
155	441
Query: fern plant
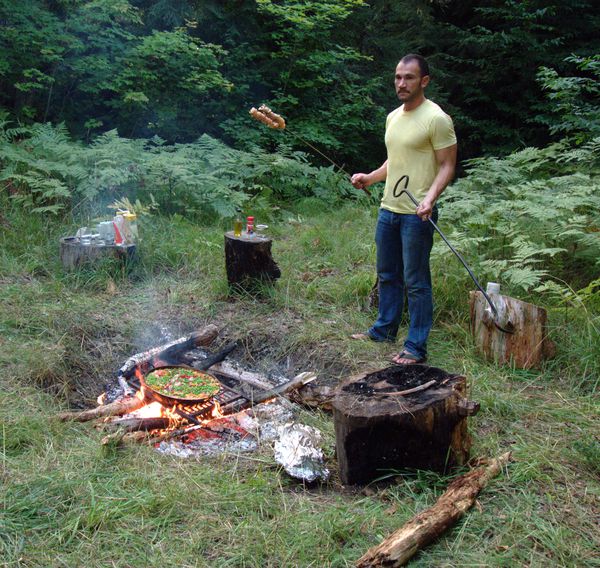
530	216
39	166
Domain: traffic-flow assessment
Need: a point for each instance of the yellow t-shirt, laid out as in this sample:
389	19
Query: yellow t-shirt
411	137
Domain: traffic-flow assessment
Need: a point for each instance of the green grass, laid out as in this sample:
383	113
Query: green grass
67	502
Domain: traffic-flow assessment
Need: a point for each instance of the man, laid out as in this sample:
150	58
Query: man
421	157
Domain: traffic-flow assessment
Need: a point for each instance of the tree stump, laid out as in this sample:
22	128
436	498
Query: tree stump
248	260
403	416
527	347
74	254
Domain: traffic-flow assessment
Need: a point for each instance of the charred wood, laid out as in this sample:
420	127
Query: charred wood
134	424
168	354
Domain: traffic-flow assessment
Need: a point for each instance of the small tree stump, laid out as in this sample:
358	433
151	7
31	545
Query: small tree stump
74	254
248	260
378	429
527	347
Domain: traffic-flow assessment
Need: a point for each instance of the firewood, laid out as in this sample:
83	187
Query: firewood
229	370
295	383
134	424
527	347
427	526
116	408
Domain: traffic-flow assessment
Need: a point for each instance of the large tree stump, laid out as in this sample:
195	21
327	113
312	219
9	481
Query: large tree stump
249	261
527	347
404	416
74	254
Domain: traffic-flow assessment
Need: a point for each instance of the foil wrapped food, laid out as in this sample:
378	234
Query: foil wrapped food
298	451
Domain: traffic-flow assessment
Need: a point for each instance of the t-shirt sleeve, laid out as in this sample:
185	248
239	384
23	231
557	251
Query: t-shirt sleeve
441	131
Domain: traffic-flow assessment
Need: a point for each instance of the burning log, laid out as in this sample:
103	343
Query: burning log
116	408
429	525
133	424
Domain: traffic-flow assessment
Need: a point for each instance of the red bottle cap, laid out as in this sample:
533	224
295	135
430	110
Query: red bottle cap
250	218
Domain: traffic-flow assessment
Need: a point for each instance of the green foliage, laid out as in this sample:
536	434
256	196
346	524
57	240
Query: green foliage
530	217
44	171
39	166
576	100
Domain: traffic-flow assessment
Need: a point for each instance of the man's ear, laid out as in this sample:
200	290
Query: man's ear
425	81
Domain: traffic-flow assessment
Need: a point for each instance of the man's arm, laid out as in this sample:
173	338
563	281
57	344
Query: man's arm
446	159
361	181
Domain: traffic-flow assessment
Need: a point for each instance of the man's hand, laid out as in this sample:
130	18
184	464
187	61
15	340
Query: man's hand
360	181
425	209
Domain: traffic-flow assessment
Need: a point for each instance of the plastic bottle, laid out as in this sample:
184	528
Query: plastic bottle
131	220
250	226
119	224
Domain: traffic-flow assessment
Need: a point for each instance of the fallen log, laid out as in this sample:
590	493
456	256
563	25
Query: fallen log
427	526
116	408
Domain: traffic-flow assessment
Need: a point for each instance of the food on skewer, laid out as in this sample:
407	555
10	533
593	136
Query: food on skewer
271	119
273	116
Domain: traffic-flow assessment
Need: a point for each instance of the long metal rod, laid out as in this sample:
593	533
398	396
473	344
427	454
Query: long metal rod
485	294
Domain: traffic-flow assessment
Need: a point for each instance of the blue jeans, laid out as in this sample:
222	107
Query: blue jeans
403	247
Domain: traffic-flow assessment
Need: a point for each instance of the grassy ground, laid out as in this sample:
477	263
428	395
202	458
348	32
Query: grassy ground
65	502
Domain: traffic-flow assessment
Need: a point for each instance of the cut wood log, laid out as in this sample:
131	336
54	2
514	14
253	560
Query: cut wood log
429	525
74	254
381	425
248	261
527	347
116	408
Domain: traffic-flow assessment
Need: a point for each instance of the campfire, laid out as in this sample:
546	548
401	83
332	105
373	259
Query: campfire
238	407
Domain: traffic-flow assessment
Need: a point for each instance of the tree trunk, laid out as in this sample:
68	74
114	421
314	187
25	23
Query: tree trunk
404	416
527	347
248	261
74	254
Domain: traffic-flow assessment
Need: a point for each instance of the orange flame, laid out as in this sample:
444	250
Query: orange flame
216	411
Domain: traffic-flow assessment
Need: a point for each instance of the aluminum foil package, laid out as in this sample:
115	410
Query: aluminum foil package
298	451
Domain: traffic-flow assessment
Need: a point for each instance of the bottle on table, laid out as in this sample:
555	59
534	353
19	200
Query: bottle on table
250	226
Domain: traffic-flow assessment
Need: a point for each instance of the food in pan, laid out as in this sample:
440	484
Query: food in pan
182	383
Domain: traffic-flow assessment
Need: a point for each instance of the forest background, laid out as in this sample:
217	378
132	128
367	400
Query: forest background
144	104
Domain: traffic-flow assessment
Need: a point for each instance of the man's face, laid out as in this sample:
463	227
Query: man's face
408	82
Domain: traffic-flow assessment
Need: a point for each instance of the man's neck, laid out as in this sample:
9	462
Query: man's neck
412	105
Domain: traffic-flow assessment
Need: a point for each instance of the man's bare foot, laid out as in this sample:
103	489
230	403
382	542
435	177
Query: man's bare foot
407	358
361	336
